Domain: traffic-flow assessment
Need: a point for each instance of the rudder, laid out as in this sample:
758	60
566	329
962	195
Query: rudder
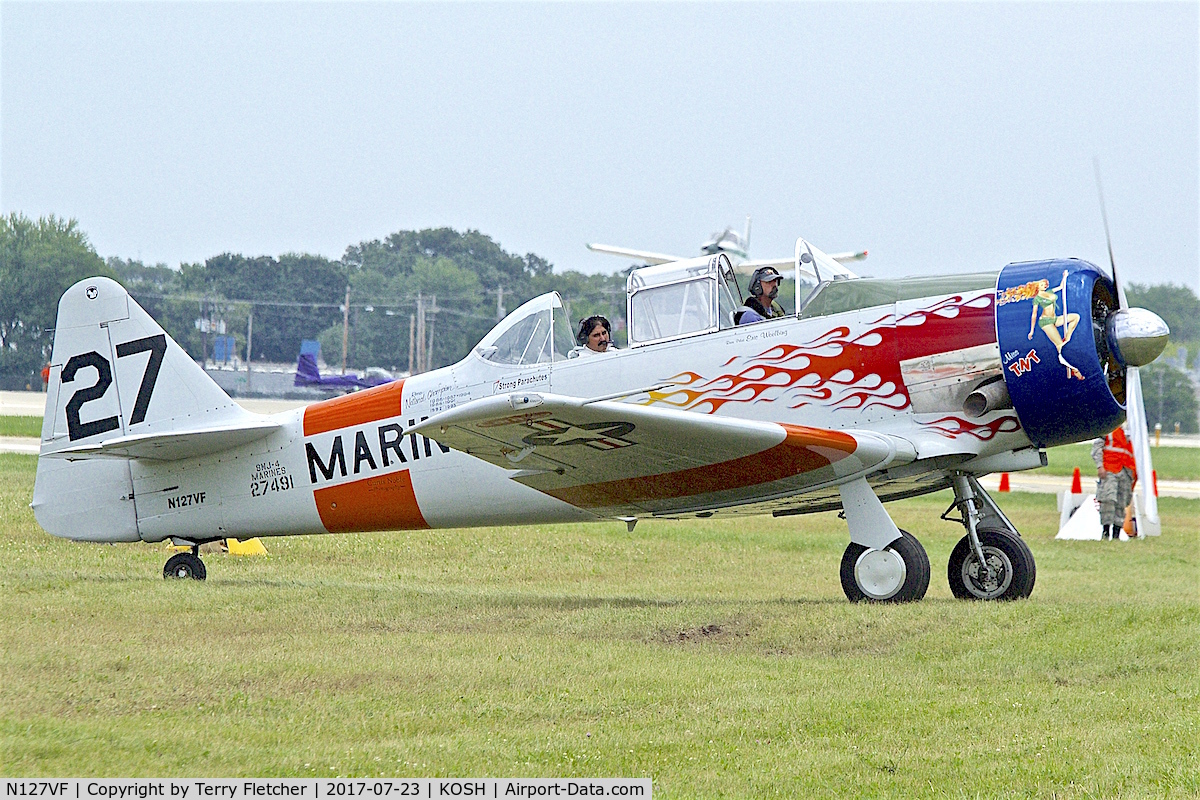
114	372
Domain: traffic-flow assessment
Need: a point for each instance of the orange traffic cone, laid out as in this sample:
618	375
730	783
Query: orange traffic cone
1076	483
1004	482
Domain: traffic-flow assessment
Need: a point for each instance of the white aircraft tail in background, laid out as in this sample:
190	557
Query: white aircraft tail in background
728	241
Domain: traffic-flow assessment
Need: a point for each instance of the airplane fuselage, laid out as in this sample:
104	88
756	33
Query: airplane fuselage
348	464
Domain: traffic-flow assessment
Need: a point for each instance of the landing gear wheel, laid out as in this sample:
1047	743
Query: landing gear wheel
184	565
897	574
1008	574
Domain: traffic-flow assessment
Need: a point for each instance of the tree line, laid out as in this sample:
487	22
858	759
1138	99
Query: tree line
464	280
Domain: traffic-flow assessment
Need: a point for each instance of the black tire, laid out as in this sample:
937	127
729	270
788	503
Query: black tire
916	567
184	565
1014	571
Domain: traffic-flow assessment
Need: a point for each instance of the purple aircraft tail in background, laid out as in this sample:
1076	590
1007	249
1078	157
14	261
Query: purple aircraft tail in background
308	374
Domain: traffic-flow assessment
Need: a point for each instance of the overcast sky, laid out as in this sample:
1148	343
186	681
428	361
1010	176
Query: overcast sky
941	137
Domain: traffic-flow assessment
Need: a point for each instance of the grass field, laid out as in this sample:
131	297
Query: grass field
20	426
719	658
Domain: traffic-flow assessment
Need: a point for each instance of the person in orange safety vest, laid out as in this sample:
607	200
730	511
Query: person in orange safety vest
1117	473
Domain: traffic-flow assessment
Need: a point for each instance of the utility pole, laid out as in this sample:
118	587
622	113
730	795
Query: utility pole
420	333
429	349
204	326
499	292
345	329
412	324
1161	373
249	345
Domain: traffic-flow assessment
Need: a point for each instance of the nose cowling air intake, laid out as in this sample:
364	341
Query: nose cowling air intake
1065	345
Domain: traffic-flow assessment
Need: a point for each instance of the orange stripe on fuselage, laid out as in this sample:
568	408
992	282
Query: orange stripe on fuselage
382	503
369	405
792	456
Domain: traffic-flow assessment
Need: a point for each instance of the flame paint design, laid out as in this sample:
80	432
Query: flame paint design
837	369
953	427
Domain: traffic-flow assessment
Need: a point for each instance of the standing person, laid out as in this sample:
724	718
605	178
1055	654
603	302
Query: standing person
761	305
1117	473
595	335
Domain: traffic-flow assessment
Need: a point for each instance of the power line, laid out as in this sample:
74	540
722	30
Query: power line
362	305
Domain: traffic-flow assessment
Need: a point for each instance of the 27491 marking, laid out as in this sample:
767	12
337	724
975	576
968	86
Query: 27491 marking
280	484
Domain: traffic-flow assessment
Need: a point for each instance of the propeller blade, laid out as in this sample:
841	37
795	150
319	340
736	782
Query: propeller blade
1139	336
1121	301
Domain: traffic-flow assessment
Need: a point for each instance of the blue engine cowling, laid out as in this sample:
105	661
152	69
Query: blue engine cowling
1065	384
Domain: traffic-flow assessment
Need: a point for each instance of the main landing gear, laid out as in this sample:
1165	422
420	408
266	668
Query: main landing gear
992	562
899	573
884	564
185	565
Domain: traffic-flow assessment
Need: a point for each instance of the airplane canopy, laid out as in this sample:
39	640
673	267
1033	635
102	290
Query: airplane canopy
536	332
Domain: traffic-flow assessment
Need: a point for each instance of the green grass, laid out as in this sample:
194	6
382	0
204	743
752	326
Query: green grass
20	426
1171	463
719	658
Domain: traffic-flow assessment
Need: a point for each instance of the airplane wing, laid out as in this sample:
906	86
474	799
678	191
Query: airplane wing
843	258
171	446
748	267
621	458
640	255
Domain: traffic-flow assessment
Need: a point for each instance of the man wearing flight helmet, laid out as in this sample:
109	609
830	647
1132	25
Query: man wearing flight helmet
761	305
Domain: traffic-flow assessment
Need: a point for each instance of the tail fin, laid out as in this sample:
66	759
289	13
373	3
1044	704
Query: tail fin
115	372
120	386
307	372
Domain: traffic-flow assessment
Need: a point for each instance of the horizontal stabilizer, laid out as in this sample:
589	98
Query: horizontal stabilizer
843	258
172	445
836	269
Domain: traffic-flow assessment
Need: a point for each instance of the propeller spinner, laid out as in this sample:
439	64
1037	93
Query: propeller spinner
1136	336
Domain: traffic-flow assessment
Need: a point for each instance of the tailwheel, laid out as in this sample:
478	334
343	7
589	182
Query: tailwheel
185	565
897	574
1007	572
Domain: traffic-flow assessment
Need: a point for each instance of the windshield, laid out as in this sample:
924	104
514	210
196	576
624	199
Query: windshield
662	312
814	269
535	333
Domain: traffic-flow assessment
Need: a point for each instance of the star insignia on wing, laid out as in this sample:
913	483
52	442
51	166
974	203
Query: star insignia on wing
597	435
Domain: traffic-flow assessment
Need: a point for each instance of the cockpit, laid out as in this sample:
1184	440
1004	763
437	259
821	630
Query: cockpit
681	298
703	295
537	332
700	295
